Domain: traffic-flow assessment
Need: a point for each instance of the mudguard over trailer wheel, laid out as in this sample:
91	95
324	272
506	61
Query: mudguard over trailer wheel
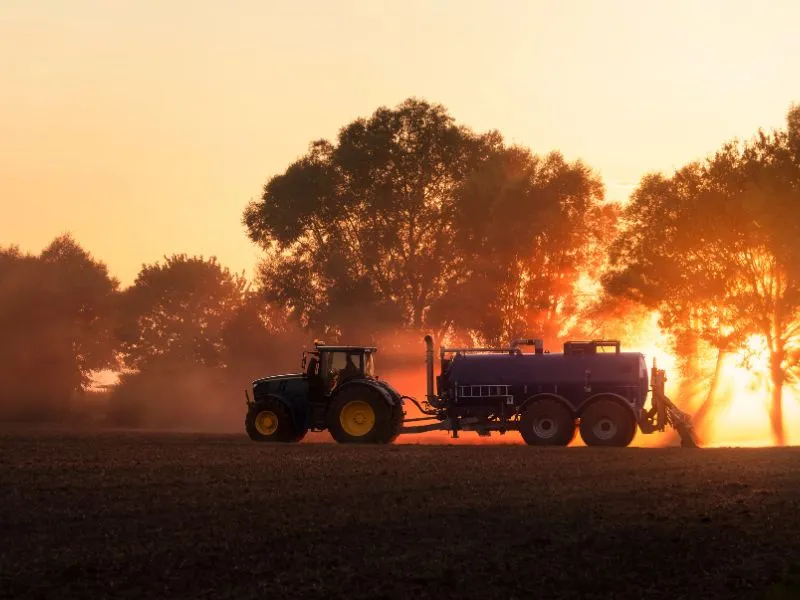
607	423
547	422
269	421
359	414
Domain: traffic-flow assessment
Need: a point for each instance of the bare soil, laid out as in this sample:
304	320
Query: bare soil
154	515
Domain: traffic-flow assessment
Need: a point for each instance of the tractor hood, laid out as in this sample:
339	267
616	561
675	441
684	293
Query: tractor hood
289	385
284	377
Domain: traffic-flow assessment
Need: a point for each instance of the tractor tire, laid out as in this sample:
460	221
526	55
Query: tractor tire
398	416
269	421
547	422
359	414
607	423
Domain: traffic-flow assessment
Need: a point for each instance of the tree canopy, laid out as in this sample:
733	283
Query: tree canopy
526	228
176	311
715	249
192	335
362	230
56	315
411	220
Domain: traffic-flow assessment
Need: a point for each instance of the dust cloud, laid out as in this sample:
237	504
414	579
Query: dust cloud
200	399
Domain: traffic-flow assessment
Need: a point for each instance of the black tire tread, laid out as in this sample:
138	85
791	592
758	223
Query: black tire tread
398	415
612	409
558	412
388	419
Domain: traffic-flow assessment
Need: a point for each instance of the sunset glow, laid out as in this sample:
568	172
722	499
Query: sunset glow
146	128
742	417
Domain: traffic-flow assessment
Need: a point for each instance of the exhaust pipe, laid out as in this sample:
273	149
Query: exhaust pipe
429	369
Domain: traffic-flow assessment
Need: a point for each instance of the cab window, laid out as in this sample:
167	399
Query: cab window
369	365
337	361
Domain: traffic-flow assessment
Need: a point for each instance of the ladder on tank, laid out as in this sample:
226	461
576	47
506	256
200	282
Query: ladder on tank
484	391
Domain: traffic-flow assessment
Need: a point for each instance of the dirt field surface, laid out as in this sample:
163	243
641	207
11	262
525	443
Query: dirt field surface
135	515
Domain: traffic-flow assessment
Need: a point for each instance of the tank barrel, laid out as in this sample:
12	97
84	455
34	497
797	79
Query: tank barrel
429	369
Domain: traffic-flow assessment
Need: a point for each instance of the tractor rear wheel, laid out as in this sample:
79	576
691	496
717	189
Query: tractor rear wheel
607	423
269	421
547	422
360	415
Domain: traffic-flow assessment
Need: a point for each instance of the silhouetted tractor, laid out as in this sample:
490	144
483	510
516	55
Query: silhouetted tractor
338	391
592	388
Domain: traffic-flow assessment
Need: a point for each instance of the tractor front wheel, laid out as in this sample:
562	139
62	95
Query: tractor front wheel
360	415
269	421
607	423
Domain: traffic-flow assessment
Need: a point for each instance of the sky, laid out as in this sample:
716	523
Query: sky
144	127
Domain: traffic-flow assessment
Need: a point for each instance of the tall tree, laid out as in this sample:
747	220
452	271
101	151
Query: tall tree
176	312
526	229
715	249
182	323
363	229
412	221
56	314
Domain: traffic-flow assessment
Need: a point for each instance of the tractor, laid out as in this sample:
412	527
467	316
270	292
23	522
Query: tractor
592	387
337	391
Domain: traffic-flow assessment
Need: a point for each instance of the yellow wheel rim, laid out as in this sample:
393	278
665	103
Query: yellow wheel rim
357	418
266	422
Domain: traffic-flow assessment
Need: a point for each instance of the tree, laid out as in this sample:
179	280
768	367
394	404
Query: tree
715	249
56	314
172	326
176	312
361	231
412	221
526	229
193	335
658	262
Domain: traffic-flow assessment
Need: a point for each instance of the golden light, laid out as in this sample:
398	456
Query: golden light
650	340
741	413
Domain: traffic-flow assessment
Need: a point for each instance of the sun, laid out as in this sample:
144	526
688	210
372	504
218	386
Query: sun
740	406
739	416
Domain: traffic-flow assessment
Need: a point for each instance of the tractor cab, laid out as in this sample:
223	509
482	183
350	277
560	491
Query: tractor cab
327	367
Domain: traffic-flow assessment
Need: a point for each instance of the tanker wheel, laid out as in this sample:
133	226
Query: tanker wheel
607	423
360	415
547	422
269	421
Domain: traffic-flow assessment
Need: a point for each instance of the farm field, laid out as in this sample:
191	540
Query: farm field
122	514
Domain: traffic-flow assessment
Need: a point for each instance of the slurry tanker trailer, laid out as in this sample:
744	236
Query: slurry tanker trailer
592	387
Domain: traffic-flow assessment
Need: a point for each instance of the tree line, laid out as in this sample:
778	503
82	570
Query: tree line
409	221
182	337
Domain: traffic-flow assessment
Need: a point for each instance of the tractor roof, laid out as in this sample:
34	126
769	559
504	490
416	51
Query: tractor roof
347	348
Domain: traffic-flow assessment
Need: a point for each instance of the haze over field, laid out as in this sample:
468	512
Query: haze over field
145	127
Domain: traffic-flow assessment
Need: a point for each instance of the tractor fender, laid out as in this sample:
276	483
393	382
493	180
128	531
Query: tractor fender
611	396
543	396
293	405
397	397
386	394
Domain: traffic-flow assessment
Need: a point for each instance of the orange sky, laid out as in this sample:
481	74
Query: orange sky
145	126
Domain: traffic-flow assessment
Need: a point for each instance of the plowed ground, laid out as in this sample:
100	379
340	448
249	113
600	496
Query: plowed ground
146	515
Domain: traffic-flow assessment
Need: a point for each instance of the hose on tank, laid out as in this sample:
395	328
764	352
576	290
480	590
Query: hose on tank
424	411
